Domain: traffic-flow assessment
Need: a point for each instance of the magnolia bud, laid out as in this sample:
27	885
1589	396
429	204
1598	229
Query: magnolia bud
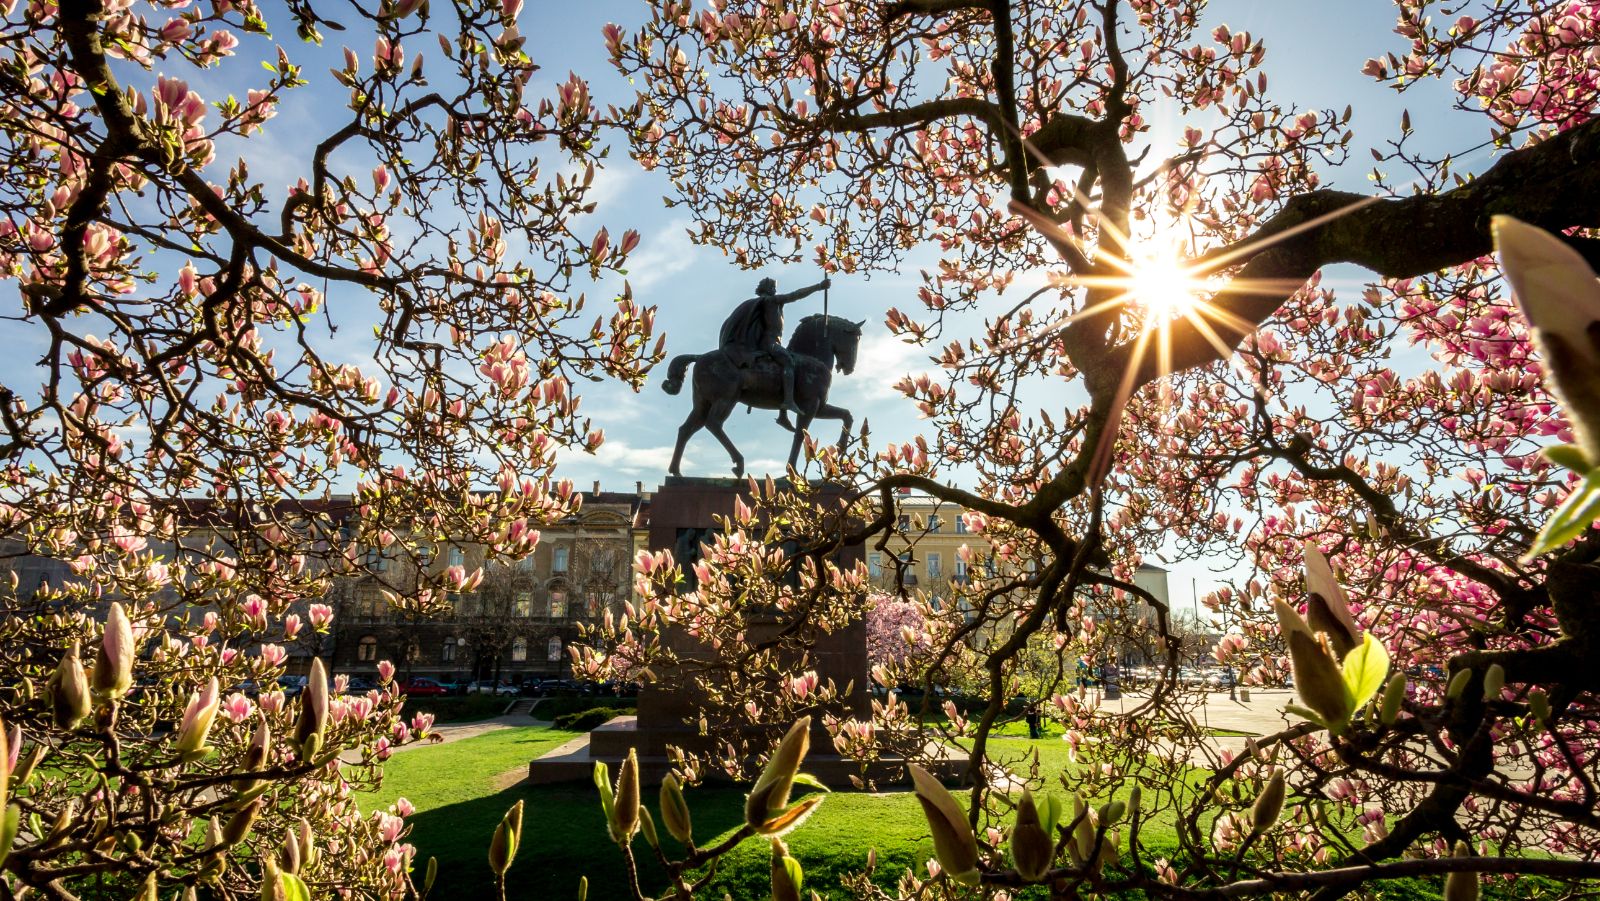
1317	677
239	824
1032	847
313	711
289	852
1461	886
113	662
10	822
1494	681
624	811
953	842
647	825
69	690
764	807
787	878
429	875
1557	291
1458	684
197	718
583	888
1539	705
1394	694
1269	804
507	835
675	811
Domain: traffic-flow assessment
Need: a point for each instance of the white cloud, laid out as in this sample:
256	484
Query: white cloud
614	456
662	253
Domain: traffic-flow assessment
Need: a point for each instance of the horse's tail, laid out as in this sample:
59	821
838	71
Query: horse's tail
676	371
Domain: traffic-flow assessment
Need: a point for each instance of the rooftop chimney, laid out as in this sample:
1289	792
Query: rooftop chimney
596	486
638	488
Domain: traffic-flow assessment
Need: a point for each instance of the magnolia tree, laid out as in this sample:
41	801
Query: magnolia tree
1385	511
235	316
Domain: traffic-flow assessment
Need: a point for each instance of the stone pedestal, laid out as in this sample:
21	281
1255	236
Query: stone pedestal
682	514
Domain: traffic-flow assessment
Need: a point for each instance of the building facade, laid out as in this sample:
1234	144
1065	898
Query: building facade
518	622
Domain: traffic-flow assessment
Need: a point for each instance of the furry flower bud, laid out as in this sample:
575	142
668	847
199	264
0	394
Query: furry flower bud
675	811
953	842
1032	847
113	662
69	690
507	836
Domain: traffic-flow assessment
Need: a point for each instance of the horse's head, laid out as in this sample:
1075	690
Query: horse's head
846	337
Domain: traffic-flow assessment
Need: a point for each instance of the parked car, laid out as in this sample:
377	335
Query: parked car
423	687
454	686
358	686
489	686
292	686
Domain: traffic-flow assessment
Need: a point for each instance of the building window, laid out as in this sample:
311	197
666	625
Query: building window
367	650
603	562
457	557
558	560
933	566
553	651
519	650
558	604
522	606
961	525
447	654
903	524
424	555
377	561
934	524
592	608
875	565
961	570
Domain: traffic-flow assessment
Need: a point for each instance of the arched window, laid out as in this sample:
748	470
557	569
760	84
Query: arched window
519	650
554	655
558	603
447	653
367	650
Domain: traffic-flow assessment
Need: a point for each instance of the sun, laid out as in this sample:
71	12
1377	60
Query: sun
1160	283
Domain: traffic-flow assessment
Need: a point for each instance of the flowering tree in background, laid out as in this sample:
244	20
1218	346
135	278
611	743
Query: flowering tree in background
1385	508
896	627
205	379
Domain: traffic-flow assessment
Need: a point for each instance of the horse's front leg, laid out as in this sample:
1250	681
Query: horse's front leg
829	411
799	439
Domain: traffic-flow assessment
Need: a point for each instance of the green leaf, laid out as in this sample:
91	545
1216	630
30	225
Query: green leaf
796	875
809	780
294	888
1572	518
1365	669
602	781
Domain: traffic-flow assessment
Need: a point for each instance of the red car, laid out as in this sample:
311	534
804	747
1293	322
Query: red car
420	686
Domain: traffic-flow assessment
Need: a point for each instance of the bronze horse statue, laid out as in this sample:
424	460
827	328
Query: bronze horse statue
820	344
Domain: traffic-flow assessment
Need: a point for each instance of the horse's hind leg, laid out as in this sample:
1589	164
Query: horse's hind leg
695	421
715	417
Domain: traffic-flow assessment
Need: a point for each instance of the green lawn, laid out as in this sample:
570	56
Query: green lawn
462	789
455	790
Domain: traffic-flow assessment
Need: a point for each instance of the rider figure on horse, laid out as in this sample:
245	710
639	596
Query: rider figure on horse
756	327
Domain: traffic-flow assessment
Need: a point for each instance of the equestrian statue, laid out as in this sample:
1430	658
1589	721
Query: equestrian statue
752	366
